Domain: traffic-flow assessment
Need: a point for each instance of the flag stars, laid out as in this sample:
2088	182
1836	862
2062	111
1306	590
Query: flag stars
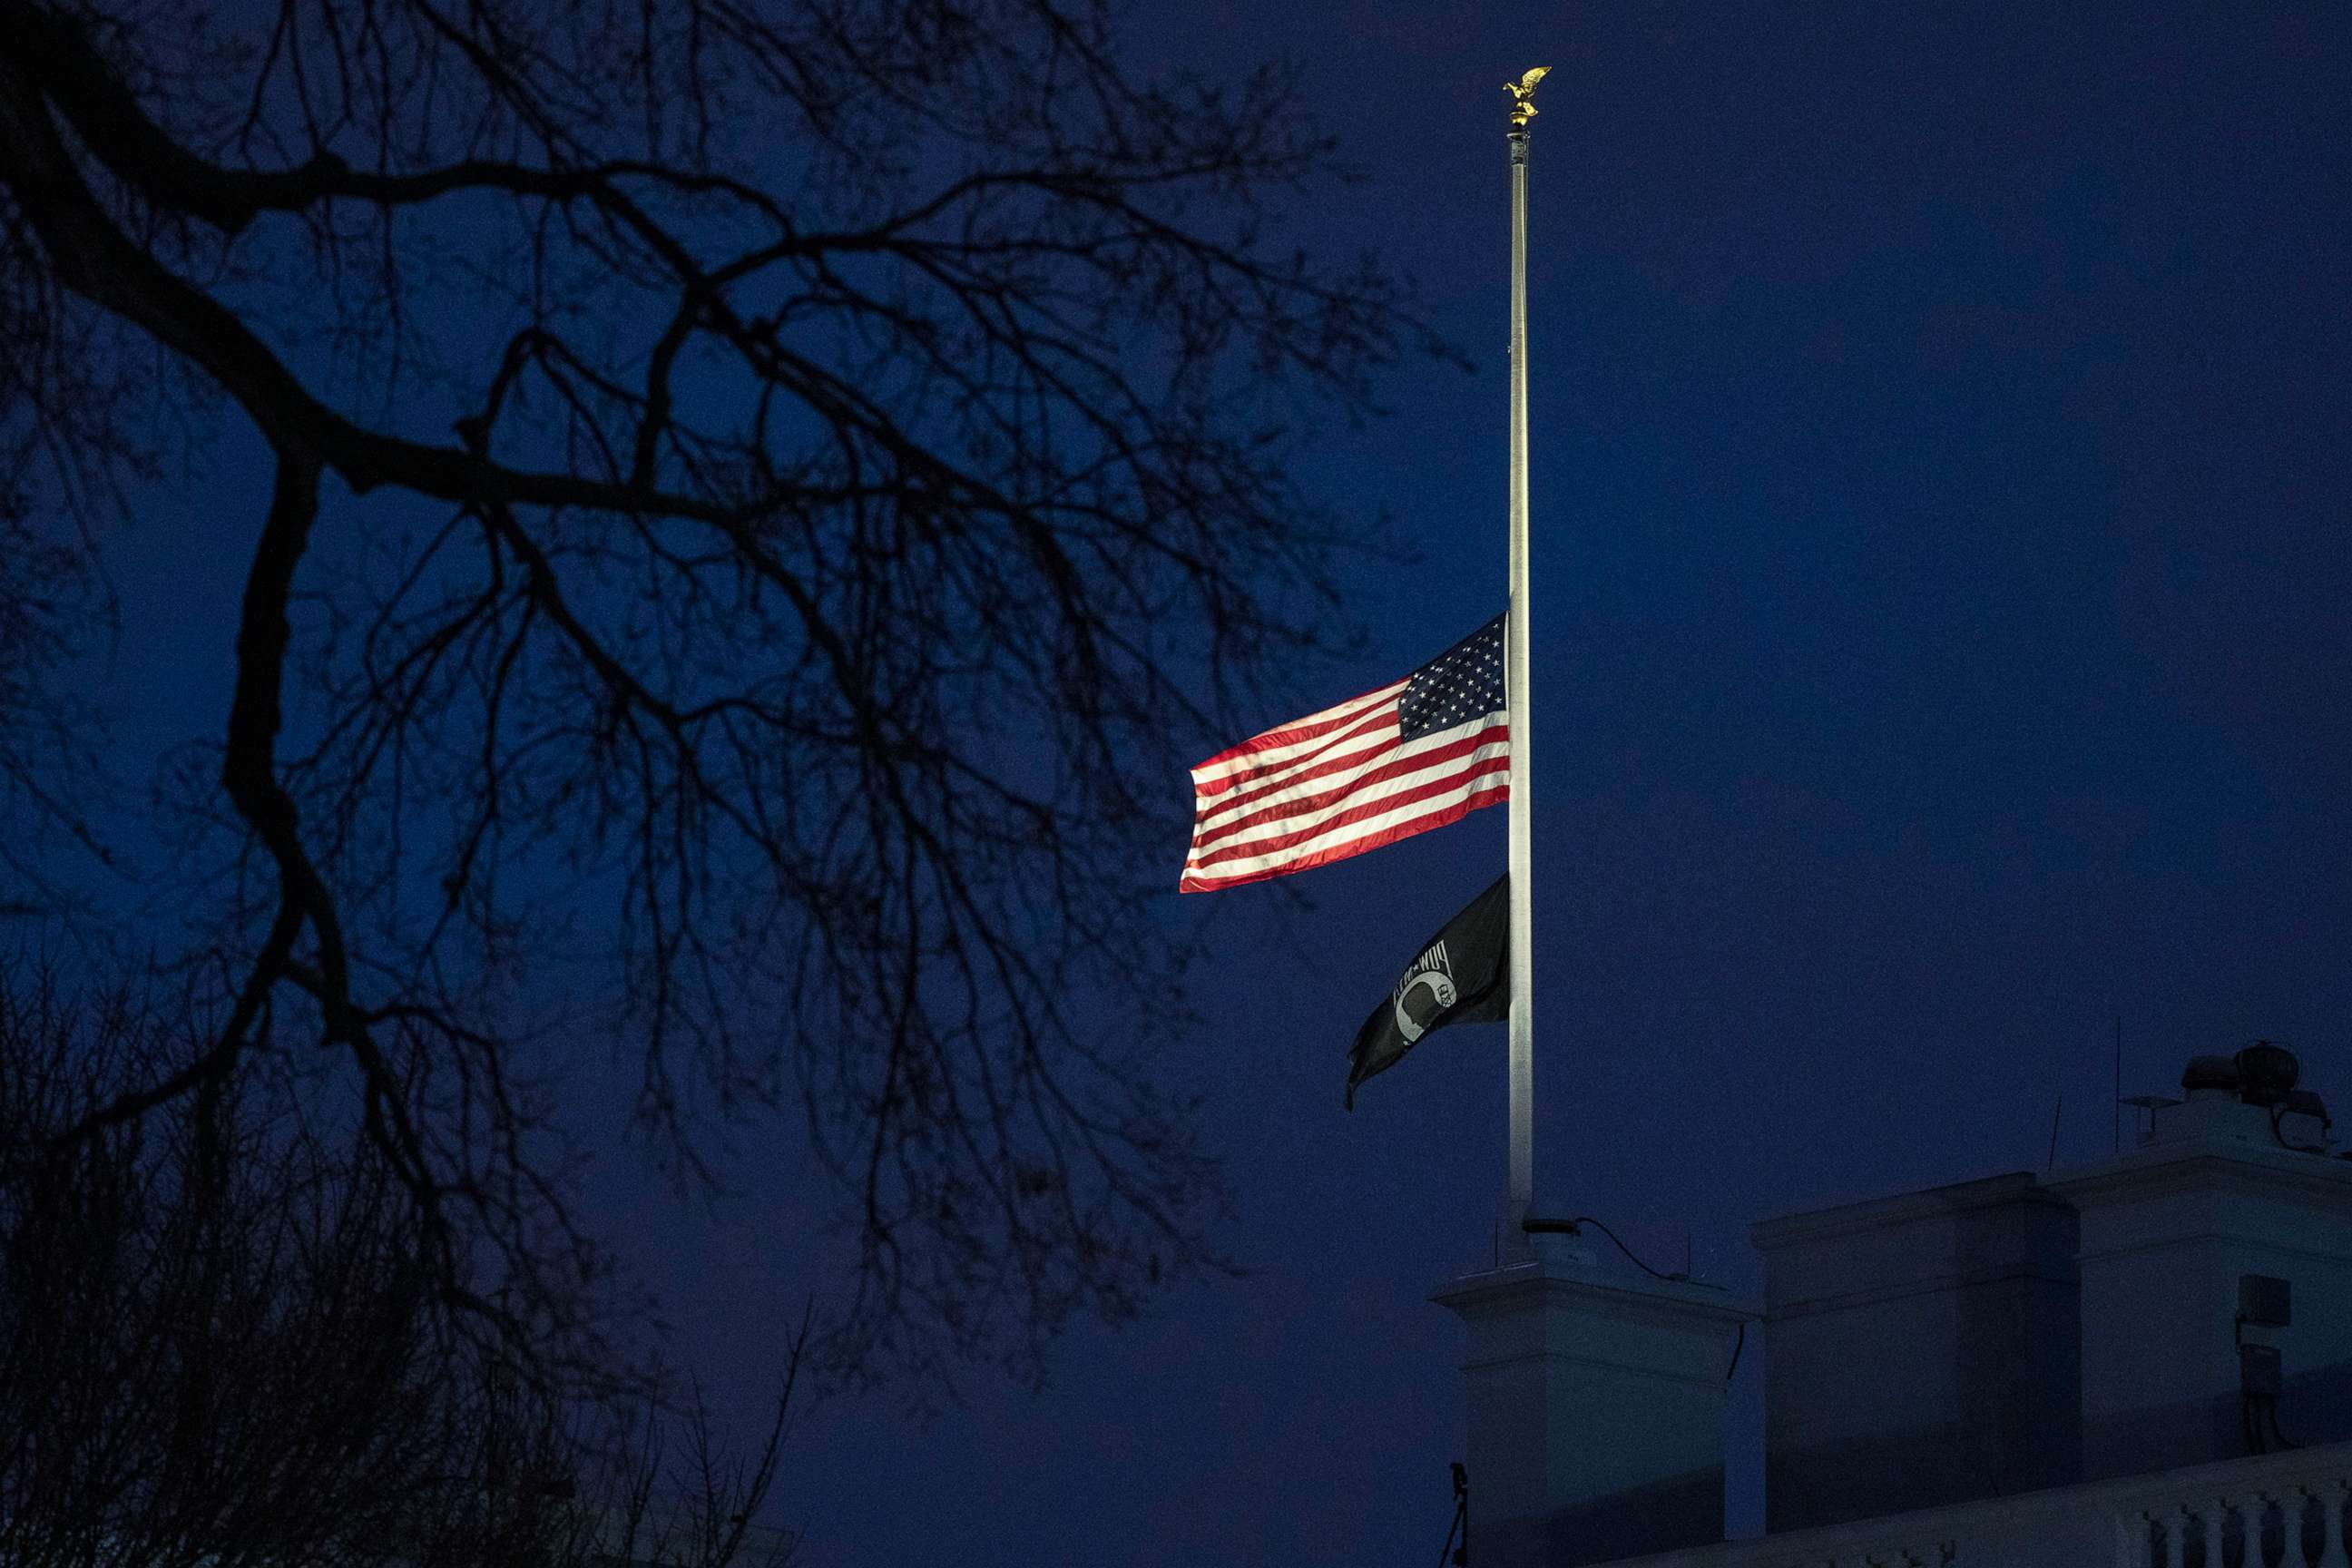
1459	686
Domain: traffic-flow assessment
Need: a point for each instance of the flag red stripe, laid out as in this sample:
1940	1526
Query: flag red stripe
1501	791
1401	760
1265	848
1215	776
1275	774
1211	808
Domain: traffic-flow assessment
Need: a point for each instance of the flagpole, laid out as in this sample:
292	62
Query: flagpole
1521	860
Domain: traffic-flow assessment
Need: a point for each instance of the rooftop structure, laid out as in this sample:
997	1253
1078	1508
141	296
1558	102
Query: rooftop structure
2112	1362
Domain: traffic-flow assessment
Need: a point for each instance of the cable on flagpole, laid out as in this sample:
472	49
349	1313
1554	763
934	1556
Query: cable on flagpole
1450	1555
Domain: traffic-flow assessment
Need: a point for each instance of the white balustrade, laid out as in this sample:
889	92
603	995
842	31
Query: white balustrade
2272	1510
2187	1529
2291	1502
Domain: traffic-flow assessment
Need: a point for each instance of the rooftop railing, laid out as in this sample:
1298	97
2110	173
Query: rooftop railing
2274	1511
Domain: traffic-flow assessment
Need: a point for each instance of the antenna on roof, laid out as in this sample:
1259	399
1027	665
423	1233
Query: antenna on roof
2059	1111
2119	1083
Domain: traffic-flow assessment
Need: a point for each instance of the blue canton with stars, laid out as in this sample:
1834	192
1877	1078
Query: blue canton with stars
1463	683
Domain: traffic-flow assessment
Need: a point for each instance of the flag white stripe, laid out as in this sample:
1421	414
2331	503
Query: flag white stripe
1388	754
1230	870
1244	762
1378	728
1380	791
1364	752
1387	789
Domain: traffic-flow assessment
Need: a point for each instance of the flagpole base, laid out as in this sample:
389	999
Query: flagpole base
1556	1241
1594	1403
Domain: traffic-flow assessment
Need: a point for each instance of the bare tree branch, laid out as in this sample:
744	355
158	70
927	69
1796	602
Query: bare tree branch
825	468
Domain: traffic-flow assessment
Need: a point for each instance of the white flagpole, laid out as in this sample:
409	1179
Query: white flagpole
1522	805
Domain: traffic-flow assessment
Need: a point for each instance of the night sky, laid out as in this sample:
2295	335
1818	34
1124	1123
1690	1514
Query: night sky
1942	449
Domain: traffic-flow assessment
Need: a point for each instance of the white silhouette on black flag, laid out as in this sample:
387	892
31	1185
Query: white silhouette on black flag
1463	975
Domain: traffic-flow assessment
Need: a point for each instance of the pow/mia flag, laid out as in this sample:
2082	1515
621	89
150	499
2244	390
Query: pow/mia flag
1464	975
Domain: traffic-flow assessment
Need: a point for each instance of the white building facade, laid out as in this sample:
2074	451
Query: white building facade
2146	1361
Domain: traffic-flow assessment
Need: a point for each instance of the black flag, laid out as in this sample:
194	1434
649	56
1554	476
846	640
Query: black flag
1464	975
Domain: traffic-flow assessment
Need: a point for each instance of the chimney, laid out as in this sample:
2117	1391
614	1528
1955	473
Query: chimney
1923	1352
2217	1274
1596	1404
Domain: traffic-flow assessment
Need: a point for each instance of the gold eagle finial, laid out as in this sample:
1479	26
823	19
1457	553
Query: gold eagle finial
1523	95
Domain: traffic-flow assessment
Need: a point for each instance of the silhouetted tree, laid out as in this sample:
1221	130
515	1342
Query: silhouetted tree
221	1343
760	499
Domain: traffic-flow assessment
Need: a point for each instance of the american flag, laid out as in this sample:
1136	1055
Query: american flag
1415	754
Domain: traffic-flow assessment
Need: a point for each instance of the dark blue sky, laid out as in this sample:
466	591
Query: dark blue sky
1942	452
